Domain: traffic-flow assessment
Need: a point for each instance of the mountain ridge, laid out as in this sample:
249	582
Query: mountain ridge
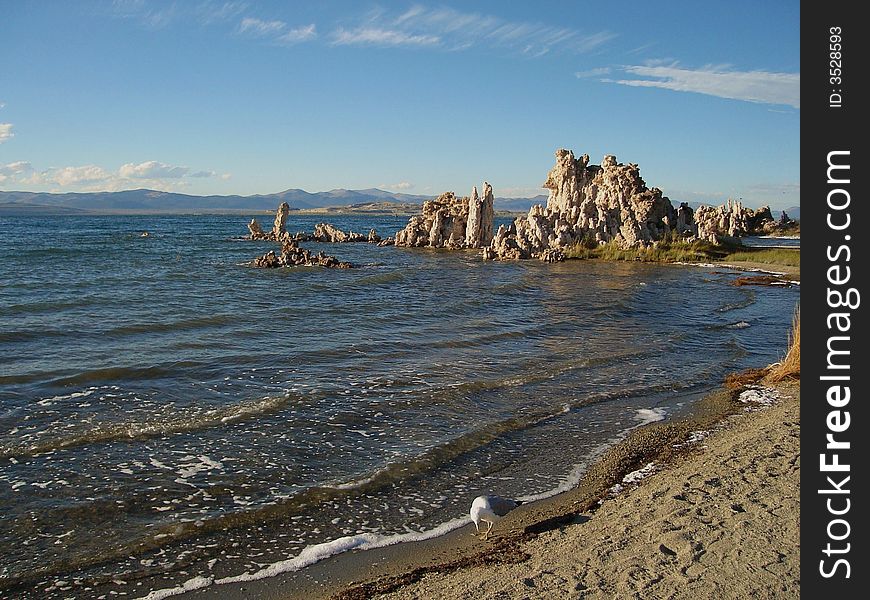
148	200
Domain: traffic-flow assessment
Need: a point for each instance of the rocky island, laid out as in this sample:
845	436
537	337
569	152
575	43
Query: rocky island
588	205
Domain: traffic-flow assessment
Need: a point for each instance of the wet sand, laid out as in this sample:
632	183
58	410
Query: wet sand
719	516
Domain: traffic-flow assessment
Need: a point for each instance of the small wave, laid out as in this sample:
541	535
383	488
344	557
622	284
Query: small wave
26	335
381	278
748	300
124	373
131	431
172	326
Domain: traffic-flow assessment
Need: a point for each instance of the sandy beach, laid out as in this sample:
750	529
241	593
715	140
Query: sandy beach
722	520
717	513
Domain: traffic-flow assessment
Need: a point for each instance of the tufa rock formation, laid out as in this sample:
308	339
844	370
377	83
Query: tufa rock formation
733	220
591	204
291	254
278	228
257	232
294	256
451	222
324	232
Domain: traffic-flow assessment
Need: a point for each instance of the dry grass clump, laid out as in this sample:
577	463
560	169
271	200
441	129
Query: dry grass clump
738	381
790	366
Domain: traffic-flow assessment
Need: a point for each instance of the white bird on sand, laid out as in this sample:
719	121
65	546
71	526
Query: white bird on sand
490	509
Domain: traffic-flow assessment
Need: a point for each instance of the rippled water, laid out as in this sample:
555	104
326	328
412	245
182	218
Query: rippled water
168	412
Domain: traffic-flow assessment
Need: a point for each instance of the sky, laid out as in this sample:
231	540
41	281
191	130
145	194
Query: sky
254	97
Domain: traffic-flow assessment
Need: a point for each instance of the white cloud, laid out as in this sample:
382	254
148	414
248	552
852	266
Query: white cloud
598	72
74	176
299	34
152	169
751	86
261	28
381	37
402	185
6	132
16	168
203	174
150	174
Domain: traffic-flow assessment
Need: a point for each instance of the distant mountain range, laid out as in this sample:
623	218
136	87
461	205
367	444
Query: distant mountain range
150	201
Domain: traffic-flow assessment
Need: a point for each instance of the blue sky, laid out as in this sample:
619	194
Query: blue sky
247	97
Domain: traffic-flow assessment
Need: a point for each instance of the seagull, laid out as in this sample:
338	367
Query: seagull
490	509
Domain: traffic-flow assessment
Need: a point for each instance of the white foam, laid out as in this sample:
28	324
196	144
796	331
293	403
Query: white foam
764	396
728	266
363	541
650	415
53	399
641	473
196	583
630	479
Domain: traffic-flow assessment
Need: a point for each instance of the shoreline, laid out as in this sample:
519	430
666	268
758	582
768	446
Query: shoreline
353	574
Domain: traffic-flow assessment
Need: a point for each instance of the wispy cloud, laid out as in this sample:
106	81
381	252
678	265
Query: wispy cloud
592	72
452	29
261	28
752	86
209	12
6	132
151	174
376	36
156	15
298	34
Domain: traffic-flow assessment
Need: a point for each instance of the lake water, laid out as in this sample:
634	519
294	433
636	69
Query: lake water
169	414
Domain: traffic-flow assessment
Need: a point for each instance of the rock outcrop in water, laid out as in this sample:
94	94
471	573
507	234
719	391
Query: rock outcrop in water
451	222
257	232
294	256
324	232
733	220
591	204
279	227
